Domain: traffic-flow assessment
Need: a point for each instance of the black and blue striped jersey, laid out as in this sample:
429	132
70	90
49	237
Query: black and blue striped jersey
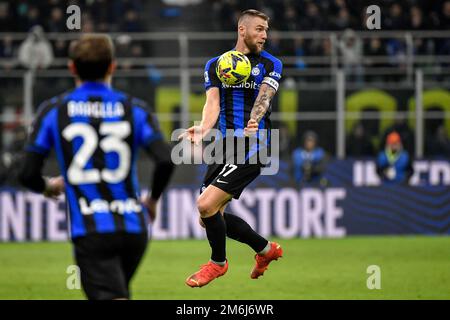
96	132
236	102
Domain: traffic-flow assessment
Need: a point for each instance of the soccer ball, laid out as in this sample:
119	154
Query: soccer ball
233	68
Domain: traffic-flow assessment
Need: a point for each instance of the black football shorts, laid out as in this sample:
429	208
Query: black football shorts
107	263
231	178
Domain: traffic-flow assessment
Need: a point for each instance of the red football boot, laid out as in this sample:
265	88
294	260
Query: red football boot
262	262
207	273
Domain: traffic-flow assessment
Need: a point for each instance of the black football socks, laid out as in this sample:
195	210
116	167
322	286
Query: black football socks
239	230
216	232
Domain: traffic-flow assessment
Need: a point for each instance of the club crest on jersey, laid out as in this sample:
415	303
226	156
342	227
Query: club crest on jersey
255	71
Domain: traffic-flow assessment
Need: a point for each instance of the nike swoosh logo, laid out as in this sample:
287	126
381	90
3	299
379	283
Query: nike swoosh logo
220	181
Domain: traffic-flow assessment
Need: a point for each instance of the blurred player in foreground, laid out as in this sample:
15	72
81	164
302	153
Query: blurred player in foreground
246	109
96	132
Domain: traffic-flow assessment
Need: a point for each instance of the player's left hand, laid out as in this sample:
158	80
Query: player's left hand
54	187
252	128
150	204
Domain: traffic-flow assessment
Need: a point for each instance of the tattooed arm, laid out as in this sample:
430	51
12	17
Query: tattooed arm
262	104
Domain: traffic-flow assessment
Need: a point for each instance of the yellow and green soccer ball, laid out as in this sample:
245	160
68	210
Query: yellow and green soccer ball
233	68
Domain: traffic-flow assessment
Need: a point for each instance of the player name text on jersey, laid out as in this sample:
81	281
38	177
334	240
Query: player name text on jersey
95	109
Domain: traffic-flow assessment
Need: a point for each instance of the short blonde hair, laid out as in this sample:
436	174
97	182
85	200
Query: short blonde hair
252	13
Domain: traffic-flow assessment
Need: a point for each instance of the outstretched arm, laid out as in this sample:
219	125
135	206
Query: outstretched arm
260	107
210	114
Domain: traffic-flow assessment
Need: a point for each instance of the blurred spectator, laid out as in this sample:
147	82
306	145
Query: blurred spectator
60	48
49	5
394	163
57	21
7	49
422	46
33	18
12	157
309	161
299	52
375	52
313	20
87	24
444	23
351	51
100	11
131	22
136	51
335	6
358	142
6	19
402	128
343	20
395	19
396	49
375	49
121	6
291	20
416	21
439	144
36	51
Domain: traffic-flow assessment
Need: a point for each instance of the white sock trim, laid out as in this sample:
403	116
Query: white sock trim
219	263
266	249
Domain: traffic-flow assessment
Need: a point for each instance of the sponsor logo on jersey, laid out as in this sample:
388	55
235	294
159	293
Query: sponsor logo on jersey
275	75
129	205
244	85
206	76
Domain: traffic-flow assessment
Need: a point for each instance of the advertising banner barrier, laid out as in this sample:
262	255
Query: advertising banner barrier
351	202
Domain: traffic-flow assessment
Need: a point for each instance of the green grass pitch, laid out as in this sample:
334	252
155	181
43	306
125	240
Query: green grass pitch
411	268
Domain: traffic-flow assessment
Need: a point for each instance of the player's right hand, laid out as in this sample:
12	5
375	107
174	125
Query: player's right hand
54	187
193	134
150	204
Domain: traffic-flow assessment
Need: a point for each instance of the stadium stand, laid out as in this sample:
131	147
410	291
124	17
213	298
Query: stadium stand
310	56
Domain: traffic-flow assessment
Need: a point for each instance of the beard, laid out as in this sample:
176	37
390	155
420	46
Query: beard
252	45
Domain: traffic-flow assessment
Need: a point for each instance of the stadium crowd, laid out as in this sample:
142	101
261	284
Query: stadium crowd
286	15
39	18
313	15
98	15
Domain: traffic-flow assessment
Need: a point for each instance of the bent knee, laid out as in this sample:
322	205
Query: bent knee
205	208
